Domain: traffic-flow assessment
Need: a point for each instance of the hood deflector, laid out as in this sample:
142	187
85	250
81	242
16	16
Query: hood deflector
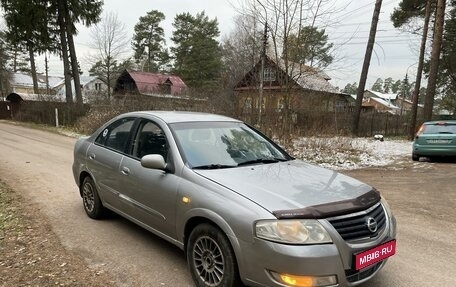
332	209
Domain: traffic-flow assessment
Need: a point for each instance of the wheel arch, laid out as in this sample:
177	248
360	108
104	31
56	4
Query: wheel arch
82	176
210	217
201	216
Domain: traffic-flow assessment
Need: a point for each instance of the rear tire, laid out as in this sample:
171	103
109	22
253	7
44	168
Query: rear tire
90	199
211	259
415	157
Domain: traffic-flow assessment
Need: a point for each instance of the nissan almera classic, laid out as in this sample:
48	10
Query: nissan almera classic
242	209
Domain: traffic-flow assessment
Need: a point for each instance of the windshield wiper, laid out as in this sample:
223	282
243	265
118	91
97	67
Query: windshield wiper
262	160
213	166
446	133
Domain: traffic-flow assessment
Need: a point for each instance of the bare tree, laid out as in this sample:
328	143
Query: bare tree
110	41
241	48
284	20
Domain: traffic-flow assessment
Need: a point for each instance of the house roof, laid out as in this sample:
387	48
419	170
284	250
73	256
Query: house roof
383	95
308	77
385	103
25	80
409	101
304	76
15	97
147	82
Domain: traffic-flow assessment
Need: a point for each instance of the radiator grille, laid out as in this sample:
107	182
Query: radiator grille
354	227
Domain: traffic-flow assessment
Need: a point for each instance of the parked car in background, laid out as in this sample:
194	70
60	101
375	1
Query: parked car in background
241	208
435	139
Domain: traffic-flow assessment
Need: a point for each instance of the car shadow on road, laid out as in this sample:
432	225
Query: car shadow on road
449	160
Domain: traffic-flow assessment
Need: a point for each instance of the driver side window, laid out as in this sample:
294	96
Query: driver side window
150	139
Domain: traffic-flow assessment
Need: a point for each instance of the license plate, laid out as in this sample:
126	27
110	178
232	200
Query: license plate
438	141
374	255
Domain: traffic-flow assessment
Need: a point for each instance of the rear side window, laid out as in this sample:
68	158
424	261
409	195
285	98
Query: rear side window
116	135
440	129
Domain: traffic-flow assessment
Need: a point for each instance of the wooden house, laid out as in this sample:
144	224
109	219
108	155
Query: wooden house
149	84
300	87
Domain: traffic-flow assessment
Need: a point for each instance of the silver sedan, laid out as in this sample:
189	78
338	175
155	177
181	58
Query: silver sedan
242	209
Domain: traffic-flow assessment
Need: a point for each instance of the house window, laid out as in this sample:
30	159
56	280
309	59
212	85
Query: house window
280	104
269	75
248	103
263	101
165	88
98	86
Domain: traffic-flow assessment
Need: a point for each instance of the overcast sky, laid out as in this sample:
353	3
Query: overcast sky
395	53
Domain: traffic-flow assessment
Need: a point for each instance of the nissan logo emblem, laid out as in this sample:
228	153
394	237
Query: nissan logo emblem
371	224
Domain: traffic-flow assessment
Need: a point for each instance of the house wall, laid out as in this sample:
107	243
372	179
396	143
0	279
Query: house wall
96	85
274	101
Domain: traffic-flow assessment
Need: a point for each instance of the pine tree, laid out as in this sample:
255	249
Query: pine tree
149	42
27	29
447	73
378	86
310	47
196	51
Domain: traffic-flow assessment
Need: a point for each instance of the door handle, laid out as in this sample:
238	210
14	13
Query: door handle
125	170
91	156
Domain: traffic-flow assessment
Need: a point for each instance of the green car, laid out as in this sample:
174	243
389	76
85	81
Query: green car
435	139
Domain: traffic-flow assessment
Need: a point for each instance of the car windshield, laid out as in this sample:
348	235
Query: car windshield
442	128
212	145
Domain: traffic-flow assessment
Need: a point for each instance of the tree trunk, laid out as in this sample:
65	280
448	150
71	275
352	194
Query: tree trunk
434	63
419	71
15	60
64	46
366	64
74	60
33	68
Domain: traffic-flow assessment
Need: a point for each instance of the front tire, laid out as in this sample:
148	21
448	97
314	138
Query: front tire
415	157
91	200
211	259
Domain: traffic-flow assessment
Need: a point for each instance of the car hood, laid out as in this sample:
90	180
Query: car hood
290	185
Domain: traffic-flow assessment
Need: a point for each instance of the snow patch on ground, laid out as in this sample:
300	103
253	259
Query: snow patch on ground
350	153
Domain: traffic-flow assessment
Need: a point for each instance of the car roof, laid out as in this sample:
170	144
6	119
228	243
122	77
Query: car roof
181	116
452	122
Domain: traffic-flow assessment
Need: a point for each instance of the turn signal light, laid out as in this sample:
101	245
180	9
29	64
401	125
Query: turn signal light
305	281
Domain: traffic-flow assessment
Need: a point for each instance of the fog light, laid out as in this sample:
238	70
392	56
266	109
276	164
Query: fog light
305	281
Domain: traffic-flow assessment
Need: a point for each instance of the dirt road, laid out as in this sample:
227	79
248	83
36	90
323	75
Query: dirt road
38	165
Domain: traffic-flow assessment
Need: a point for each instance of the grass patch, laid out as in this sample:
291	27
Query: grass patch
10	219
62	130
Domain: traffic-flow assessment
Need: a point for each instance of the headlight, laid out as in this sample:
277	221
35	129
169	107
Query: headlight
304	231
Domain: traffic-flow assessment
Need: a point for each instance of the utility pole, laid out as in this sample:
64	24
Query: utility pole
434	64
419	71
366	64
46	68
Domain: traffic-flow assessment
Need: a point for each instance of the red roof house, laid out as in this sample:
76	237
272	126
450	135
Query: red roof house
149	84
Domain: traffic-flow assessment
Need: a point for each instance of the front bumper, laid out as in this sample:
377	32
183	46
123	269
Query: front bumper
261	257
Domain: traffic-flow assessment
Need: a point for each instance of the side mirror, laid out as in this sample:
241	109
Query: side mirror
153	161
